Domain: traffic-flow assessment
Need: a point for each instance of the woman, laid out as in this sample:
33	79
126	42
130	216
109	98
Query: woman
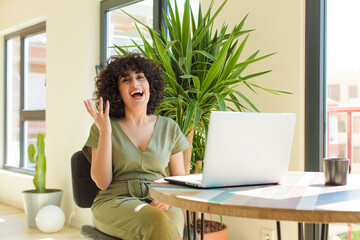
129	147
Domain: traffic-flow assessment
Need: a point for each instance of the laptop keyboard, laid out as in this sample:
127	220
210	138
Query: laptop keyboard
198	178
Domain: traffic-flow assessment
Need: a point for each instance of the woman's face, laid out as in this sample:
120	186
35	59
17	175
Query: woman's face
134	89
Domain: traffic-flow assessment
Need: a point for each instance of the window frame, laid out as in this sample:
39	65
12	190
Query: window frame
315	93
108	5
24	115
315	84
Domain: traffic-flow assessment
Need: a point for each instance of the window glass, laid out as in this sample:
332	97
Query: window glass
343	102
121	27
35	72
194	4
13	101
343	74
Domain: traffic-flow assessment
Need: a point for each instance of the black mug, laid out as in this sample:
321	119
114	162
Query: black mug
336	171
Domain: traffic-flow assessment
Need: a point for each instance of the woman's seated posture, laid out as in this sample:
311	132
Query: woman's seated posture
129	147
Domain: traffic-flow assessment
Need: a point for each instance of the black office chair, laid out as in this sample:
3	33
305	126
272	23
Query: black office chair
84	192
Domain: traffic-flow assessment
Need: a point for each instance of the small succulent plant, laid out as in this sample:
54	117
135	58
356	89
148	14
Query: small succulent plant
40	161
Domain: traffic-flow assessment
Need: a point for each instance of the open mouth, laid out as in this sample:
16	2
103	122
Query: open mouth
137	94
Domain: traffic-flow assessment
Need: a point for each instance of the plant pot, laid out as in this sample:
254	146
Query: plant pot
210	233
187	153
33	202
198	163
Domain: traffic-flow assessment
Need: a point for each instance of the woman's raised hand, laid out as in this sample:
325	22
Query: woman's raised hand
101	118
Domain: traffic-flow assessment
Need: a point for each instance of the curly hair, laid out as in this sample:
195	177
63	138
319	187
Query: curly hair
107	83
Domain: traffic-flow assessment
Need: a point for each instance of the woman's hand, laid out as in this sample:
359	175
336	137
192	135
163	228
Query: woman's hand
101	164
101	118
160	205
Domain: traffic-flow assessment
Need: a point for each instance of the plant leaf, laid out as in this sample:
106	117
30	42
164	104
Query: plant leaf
221	102
189	115
247	100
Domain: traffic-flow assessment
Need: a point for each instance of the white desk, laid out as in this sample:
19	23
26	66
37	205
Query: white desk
302	197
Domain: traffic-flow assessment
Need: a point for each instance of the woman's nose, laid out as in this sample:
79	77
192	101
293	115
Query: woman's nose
134	83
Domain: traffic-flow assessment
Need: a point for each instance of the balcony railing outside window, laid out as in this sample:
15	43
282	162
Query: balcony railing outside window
343	140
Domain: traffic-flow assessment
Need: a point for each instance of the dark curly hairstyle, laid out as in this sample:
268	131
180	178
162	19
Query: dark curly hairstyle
107	83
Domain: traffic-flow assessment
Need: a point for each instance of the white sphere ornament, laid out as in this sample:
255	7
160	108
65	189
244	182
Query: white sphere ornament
50	219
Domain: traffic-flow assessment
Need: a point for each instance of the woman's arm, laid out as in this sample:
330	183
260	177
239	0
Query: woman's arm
101	163
176	164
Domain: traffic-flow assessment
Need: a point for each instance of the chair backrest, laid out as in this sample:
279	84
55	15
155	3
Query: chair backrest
84	188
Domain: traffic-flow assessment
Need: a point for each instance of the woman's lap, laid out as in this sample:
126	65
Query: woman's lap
134	219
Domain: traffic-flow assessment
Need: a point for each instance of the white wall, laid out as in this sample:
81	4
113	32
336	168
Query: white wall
280	27
73	51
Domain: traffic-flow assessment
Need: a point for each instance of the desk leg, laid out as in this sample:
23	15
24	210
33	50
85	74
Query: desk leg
324	231
195	224
202	226
300	231
278	230
188	223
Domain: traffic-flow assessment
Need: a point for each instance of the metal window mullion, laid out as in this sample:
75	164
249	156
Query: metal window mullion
315	84
103	32
157	14
5	102
22	91
32	115
315	93
36	29
109	5
323	82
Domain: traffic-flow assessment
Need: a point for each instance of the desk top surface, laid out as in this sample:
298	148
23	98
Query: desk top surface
301	197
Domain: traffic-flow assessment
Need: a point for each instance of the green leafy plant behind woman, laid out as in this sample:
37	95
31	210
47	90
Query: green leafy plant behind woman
201	66
40	161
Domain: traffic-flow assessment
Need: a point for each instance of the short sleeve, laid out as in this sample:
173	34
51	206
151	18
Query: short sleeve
92	141
180	141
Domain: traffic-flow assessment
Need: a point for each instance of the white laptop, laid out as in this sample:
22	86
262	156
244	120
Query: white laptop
244	149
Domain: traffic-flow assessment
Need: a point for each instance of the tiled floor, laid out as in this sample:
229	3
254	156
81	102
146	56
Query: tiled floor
13	227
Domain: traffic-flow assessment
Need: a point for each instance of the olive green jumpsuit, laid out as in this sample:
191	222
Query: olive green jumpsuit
121	210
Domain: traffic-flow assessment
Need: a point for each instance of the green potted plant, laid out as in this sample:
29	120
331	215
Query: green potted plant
202	68
39	197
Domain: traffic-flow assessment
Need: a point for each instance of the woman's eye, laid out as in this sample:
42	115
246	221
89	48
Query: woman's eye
125	80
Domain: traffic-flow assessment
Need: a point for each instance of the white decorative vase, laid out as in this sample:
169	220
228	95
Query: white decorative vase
33	202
